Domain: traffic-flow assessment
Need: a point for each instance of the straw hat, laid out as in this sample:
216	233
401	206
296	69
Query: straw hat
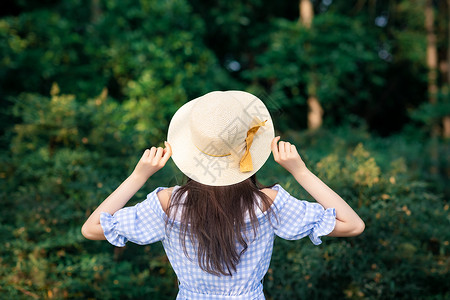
221	138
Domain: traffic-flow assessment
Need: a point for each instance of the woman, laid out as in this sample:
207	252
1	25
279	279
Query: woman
218	229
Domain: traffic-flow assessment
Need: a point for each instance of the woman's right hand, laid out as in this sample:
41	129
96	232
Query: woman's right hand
287	156
152	160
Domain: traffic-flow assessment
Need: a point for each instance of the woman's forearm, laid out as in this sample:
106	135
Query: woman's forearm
119	197
151	161
117	200
348	221
122	194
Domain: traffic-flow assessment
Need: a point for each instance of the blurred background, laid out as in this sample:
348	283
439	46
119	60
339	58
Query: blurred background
361	87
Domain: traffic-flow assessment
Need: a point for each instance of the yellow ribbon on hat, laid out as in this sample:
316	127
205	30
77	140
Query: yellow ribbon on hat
246	165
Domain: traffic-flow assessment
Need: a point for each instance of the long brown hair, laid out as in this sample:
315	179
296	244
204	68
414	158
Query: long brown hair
213	217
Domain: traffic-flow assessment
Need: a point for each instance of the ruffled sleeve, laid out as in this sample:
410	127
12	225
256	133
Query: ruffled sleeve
142	224
296	219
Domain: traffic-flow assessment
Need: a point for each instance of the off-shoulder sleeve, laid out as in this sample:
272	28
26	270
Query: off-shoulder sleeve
142	224
296	219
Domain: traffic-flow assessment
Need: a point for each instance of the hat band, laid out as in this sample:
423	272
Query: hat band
245	164
213	155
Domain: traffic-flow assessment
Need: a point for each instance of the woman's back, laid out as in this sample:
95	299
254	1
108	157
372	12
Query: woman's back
196	283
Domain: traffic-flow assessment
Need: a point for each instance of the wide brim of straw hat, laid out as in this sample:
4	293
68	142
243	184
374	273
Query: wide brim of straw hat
213	170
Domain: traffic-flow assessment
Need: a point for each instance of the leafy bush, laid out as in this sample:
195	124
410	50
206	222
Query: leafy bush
118	70
65	157
404	250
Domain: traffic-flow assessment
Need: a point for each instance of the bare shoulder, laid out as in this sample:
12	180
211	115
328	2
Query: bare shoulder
164	197
270	193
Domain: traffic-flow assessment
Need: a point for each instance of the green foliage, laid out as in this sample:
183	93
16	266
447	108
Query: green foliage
336	59
431	114
132	48
64	157
118	70
404	250
67	155
49	47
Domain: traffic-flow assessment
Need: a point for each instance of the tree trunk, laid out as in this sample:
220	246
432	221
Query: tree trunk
96	11
306	12
315	111
446	120
432	62
432	58
446	127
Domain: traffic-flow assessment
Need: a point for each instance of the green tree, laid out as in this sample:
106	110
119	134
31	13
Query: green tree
342	54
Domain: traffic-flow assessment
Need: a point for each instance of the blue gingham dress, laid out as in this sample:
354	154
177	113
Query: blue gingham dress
144	223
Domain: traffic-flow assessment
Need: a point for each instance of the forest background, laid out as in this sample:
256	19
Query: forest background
361	87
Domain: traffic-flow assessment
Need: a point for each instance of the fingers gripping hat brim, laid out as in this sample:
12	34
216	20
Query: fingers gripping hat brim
219	170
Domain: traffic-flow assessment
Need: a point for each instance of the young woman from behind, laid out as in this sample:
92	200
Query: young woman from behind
218	228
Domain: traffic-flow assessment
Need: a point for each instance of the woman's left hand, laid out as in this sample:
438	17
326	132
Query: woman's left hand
152	160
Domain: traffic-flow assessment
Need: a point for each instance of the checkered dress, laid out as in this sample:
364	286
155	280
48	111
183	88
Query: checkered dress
144	223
